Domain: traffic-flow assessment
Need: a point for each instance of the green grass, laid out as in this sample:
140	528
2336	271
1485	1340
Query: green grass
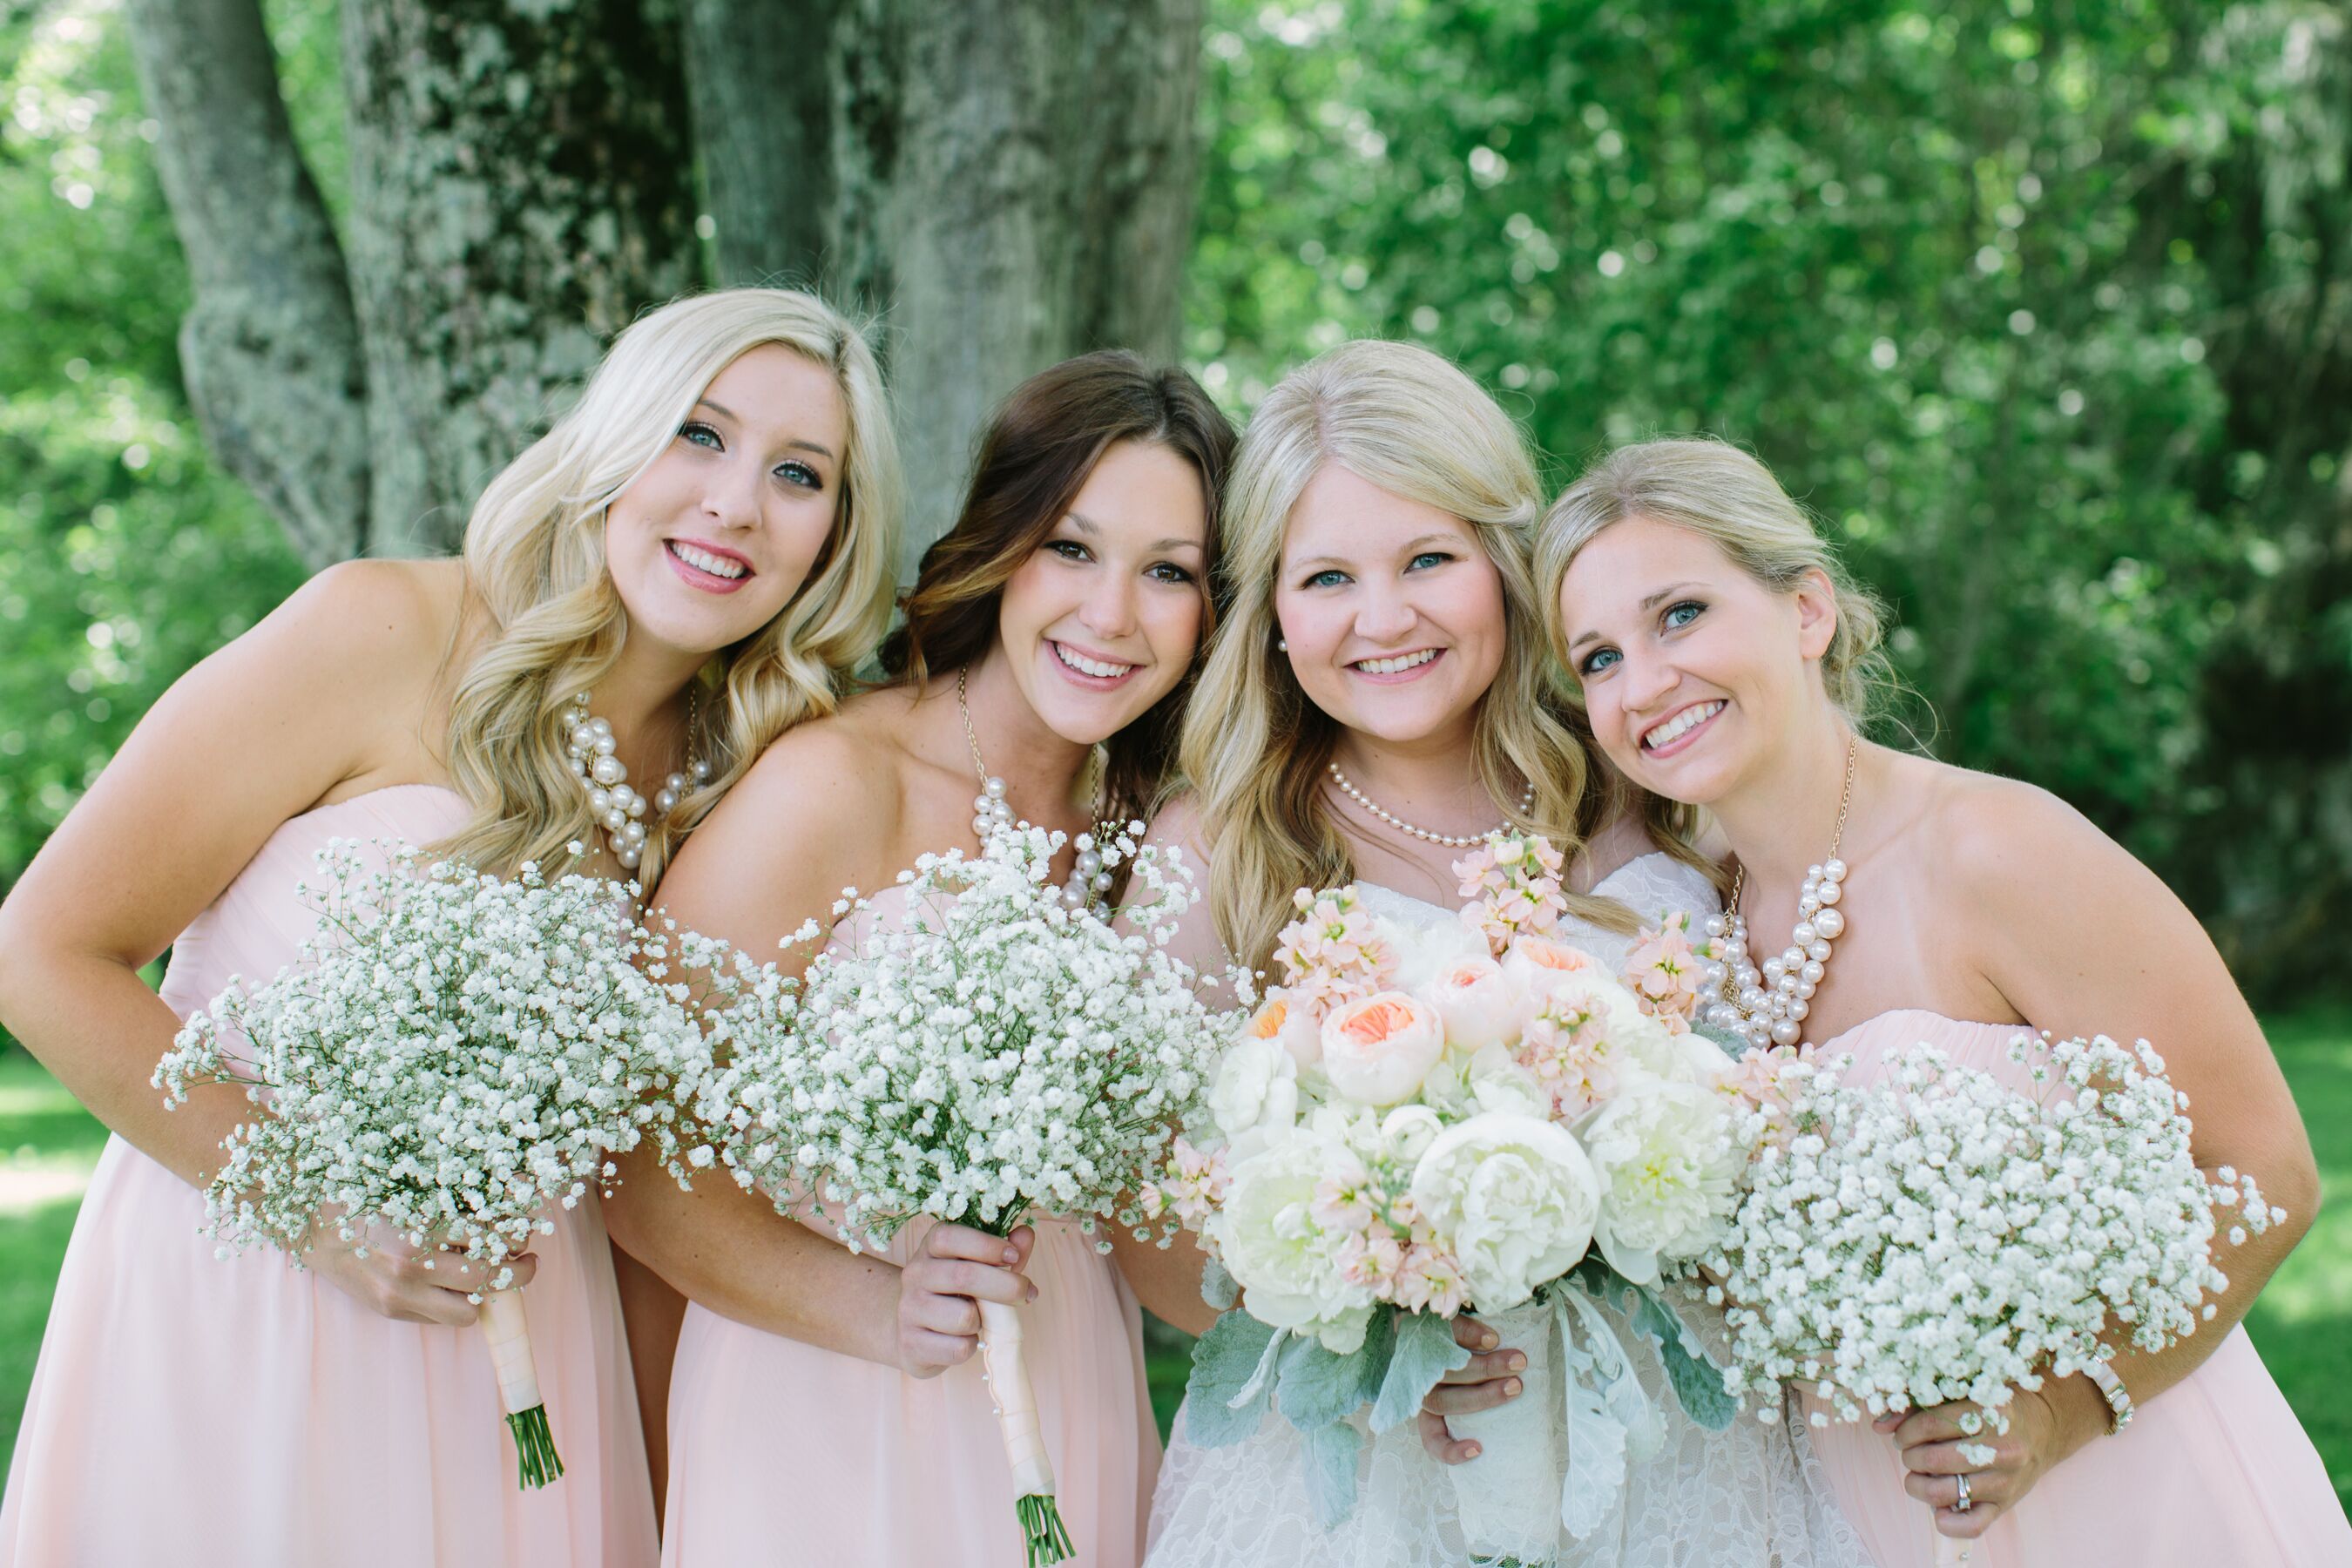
48	1144
2302	1324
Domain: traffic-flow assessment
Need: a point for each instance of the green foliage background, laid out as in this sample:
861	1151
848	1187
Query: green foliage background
2043	306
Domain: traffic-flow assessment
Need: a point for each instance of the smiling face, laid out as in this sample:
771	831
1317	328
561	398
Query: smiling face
713	540
1694	672
1393	611
1103	617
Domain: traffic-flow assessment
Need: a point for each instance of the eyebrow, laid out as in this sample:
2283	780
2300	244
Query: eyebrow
1410	547
726	412
1649	604
1085	524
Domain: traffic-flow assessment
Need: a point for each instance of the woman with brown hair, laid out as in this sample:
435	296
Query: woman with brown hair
825	1405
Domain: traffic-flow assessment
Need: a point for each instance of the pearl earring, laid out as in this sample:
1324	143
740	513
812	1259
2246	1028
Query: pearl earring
1282	644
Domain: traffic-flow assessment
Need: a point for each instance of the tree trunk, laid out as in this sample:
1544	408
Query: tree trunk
1004	181
520	189
1012	185
271	350
761	98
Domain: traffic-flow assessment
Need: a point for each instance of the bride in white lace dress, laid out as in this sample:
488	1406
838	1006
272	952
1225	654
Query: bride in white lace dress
1376	701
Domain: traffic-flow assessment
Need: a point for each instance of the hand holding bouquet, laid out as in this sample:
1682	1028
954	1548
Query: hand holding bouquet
450	1057
1417	1123
993	1055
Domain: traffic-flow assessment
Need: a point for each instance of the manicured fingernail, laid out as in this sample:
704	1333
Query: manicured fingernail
1517	1363
1511	1389
1488	1341
1011	1255
1472	1451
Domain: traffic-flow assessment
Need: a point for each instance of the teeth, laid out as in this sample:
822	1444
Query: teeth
1093	666
1392	665
1682	723
703	561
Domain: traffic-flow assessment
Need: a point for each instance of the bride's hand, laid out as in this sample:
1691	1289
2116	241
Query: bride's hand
409	1286
942	1286
1486	1381
2046	1425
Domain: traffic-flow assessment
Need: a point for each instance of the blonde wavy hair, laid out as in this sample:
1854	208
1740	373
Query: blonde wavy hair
1725	495
535	574
1253	746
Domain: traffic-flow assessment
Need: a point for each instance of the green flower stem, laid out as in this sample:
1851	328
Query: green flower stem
535	1447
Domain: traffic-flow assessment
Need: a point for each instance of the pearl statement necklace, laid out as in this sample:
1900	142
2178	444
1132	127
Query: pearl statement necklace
1768	1007
1526	804
1088	880
611	800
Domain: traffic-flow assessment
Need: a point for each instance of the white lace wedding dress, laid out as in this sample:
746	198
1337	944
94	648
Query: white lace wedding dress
1750	1497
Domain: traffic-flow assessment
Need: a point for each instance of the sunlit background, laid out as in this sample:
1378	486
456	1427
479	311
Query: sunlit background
2046	312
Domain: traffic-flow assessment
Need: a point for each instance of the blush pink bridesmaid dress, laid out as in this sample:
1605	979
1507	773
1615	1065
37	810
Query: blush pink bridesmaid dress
2213	1471
782	1453
191	1410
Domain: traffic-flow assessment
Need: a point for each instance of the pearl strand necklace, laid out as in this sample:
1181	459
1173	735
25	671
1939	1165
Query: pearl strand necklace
1089	878
1767	1007
1526	804
620	809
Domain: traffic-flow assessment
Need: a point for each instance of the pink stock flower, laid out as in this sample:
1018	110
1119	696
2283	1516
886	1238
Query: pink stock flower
1514	887
1341	1202
1370	1259
1663	972
1194	1187
1566	1046
1333	953
1429	1280
1767	1079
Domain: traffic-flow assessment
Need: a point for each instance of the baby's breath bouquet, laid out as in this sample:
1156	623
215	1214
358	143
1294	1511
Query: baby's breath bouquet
989	1055
1942	1236
451	1054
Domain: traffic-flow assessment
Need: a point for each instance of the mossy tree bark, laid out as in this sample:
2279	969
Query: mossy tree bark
520	187
1007	183
1004	184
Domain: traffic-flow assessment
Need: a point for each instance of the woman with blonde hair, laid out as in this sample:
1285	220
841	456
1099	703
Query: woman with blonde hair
690	559
827	1405
1379	700
1728	663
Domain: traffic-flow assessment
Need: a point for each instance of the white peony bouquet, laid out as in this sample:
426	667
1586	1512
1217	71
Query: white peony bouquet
1418	1123
451	1056
1942	1236
989	1055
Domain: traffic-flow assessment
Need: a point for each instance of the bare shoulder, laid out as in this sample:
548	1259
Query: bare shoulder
1986	834
1178	823
826	772
366	627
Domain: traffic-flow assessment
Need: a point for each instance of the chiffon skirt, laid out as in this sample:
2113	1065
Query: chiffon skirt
189	1410
780	1452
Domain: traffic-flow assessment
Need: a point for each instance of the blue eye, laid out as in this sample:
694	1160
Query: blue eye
1598	661
1429	557
1682	614
701	435
801	474
1330	578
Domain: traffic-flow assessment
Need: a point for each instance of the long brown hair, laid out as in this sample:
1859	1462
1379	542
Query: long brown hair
1043	442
